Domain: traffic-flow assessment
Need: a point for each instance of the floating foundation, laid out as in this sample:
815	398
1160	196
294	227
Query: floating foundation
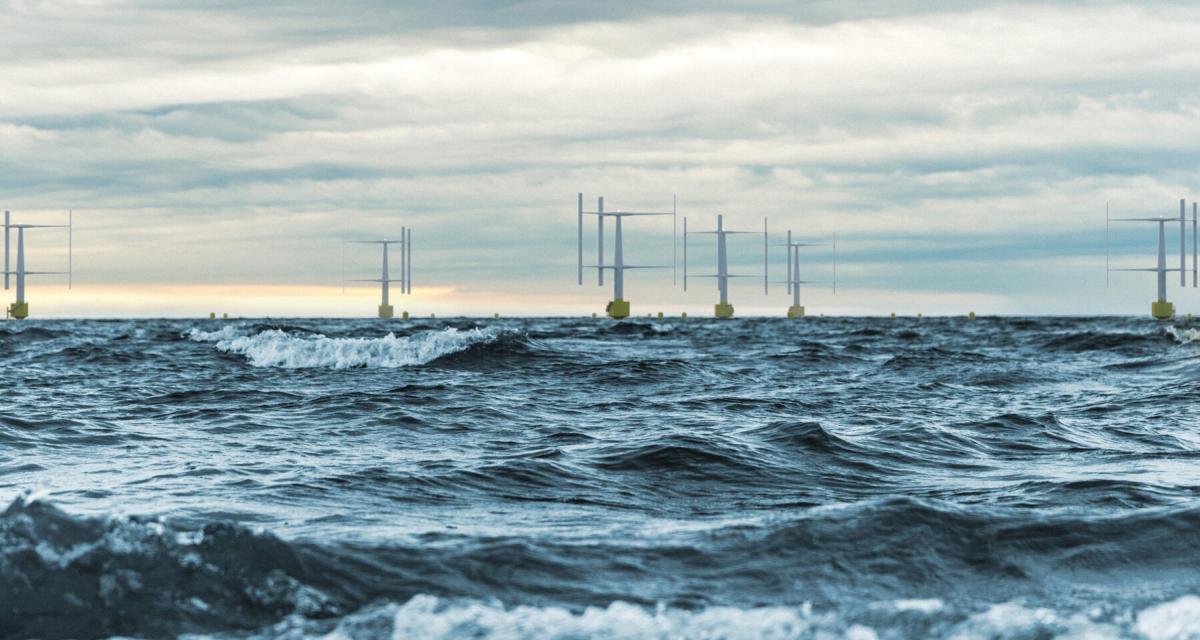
617	309
18	310
723	310
796	311
1162	310
386	311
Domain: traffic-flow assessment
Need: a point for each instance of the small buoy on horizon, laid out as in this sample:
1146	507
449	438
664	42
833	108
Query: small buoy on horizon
404	315
684	316
224	316
971	316
660	315
919	316
495	316
593	314
212	315
432	315
893	315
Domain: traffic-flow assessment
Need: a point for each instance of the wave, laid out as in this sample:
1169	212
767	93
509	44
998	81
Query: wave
31	334
65	576
62	576
1102	341
1183	335
433	618
684	453
279	348
935	358
427	616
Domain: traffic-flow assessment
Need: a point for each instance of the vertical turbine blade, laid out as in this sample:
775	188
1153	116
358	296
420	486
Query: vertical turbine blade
1107	259
765	265
674	242
835	263
685	253
1194	245
6	235
789	262
581	239
1182	242
600	242
70	247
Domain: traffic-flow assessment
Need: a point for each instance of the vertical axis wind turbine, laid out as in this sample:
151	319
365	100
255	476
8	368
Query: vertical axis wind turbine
1161	308
723	309
385	308
20	308
793	281
618	308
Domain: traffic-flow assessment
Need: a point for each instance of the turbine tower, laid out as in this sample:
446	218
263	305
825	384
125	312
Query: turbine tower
1161	308
618	308
723	309
385	307
796	311
20	308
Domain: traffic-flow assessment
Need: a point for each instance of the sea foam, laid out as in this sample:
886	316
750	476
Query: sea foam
276	348
1183	336
427	616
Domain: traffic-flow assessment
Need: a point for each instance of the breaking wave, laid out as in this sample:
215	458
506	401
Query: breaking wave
1184	335
67	576
279	348
434	618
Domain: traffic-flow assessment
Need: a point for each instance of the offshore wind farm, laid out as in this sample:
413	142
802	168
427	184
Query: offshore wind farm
723	321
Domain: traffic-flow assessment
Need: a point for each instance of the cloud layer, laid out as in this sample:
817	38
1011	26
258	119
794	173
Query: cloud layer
957	151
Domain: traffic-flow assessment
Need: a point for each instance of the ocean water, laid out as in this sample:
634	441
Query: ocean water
570	478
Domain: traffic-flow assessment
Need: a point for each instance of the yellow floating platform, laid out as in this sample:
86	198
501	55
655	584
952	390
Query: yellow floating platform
723	311
617	309
1162	310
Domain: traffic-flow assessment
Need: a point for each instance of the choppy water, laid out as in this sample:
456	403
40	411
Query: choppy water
829	477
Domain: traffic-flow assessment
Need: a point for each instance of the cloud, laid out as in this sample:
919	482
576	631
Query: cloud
219	143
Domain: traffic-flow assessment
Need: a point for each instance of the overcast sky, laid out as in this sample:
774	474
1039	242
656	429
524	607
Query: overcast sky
216	155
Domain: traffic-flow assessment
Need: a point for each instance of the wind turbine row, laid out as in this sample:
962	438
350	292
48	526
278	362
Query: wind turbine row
619	307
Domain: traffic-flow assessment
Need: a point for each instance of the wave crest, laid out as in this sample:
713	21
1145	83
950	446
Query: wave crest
93	573
278	348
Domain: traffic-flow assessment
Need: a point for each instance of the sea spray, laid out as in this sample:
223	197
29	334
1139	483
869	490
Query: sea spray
277	348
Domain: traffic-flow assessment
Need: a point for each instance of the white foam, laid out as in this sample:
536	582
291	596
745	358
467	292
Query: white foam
427	616
430	617
275	348
1177	619
1184	336
1014	620
227	332
924	605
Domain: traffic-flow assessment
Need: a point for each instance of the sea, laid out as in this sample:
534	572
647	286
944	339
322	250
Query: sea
1004	477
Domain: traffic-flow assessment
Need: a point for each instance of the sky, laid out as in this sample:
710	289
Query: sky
216	154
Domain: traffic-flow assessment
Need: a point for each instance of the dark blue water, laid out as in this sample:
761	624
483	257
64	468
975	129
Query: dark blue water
1025	478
